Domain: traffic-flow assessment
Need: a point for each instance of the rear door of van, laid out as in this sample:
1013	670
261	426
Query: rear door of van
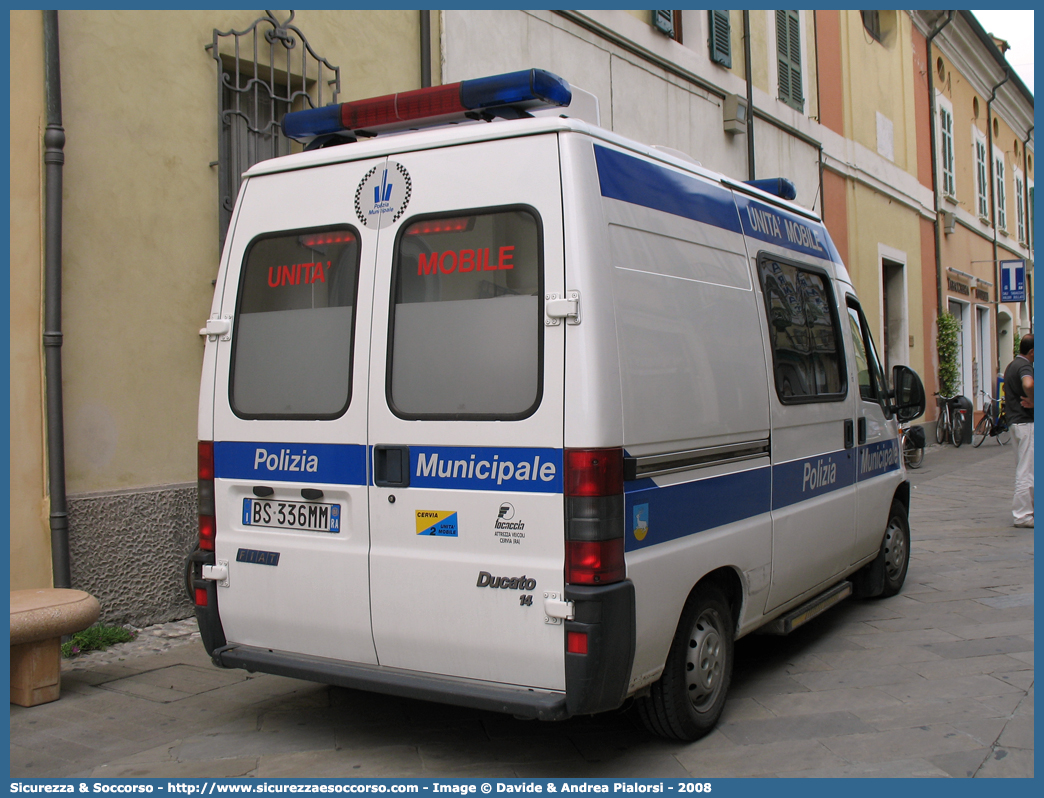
290	416
466	415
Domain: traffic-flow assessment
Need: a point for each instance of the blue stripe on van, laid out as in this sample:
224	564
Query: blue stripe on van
782	228
516	469
330	463
812	477
681	510
641	182
876	459
677	511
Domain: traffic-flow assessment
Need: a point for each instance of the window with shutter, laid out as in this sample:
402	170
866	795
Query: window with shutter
948	175
1020	214
1002	205
980	181
663	21
788	57
720	38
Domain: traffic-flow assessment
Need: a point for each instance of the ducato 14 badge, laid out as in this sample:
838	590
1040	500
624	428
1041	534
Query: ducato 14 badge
383	195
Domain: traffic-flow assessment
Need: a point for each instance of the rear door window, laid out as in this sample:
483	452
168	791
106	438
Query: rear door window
293	341
466	320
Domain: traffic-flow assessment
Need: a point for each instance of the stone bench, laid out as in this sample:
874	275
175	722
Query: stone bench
39	618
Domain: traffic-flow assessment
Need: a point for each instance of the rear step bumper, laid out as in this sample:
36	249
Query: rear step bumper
518	701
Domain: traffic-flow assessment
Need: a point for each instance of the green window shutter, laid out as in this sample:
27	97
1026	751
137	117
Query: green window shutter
788	57
663	21
720	39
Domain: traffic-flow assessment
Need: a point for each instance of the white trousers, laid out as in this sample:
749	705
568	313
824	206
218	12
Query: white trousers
1022	501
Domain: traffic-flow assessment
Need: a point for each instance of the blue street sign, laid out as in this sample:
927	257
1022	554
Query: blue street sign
1013	280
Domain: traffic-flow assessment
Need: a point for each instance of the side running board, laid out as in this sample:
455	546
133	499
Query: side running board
786	624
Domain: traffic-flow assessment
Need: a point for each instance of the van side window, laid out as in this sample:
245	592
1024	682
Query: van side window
466	323
293	340
872	386
807	356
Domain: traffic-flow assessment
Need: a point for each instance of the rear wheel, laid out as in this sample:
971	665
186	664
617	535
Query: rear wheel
942	425
688	699
981	431
957	429
913	455
1004	436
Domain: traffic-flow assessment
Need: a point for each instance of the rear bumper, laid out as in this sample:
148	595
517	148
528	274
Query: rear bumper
518	701
595	682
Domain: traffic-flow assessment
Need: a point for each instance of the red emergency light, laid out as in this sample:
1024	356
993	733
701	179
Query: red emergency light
530	88
325	239
430	226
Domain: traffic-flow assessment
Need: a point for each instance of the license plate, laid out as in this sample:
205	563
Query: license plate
312	516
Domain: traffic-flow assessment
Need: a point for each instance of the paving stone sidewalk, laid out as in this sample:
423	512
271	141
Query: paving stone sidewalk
934	682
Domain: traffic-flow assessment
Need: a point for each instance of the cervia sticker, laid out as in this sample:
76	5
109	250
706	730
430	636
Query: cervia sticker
383	195
437	523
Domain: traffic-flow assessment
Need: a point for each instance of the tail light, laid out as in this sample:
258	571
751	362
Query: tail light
205	475
594	516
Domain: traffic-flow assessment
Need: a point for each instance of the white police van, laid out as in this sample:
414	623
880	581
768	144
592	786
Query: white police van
530	417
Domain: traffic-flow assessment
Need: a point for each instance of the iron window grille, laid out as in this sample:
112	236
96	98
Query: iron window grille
263	72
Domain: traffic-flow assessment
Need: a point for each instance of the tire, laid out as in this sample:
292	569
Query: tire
687	701
913	456
942	425
981	431
884	576
1004	436
895	550
957	430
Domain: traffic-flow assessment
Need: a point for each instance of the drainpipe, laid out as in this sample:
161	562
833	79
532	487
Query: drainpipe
993	180
54	158
940	294
751	175
425	48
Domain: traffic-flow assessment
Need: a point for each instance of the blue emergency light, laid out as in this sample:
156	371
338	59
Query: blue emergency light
530	88
779	186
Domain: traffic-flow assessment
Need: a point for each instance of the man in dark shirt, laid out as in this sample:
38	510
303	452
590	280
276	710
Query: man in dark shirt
1018	410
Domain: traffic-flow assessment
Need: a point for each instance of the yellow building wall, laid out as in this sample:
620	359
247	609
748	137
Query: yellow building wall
141	227
140	235
878	77
875	220
30	564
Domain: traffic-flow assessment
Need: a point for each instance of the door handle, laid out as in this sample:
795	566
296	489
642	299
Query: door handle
849	433
391	466
862	430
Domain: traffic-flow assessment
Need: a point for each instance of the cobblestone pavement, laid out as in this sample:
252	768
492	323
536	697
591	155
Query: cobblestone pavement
934	682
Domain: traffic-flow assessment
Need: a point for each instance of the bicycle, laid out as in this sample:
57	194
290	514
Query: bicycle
991	425
911	442
951	421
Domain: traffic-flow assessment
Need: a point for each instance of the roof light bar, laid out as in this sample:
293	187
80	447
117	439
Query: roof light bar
529	88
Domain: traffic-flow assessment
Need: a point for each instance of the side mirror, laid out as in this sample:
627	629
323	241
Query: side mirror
908	400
